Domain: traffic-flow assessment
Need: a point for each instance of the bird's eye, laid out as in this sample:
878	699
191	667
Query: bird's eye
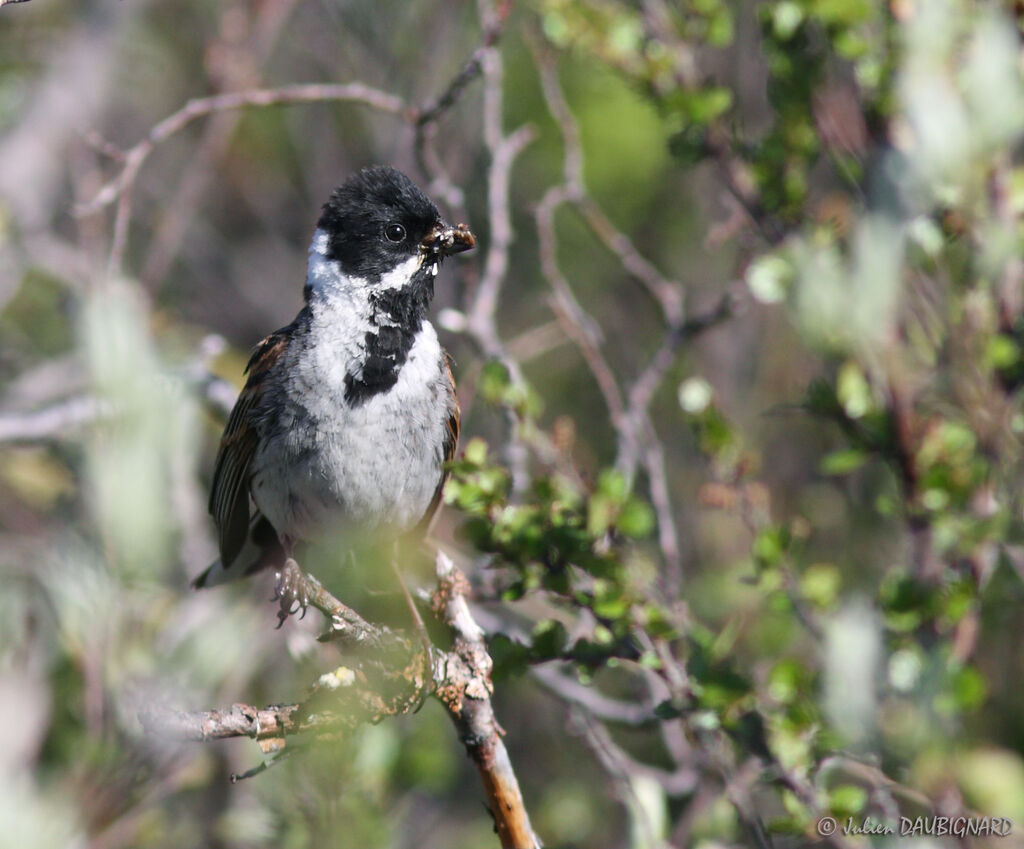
395	233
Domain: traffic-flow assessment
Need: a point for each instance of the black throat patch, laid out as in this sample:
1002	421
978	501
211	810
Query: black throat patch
396	318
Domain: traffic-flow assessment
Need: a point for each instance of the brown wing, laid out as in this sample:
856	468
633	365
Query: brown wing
451	441
229	494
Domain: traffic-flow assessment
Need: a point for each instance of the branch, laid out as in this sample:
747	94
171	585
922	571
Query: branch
482	301
739	182
240	69
391	676
238	721
425	118
120	188
57	420
619	763
469	705
61	416
481	314
347	626
430	112
593	701
51	422
197	108
666	293
635	433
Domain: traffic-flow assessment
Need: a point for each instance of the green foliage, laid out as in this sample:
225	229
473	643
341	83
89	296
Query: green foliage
829	622
564	541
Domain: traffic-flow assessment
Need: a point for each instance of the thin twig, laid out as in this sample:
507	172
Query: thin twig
637	440
51	422
482	302
678	782
592	700
347	626
430	112
120	188
493	18
578	324
240	71
482	312
65	416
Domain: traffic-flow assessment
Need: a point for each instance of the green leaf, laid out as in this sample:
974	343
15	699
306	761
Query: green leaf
847	800
636	519
843	462
476	451
494	380
993	782
549	639
969	688
820	584
854	391
788	680
770	546
700	106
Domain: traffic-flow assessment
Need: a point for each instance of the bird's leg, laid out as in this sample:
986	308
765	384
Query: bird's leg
417	620
423	688
290	587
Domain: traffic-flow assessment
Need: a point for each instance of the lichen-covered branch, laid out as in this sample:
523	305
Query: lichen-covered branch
389	676
237	721
468	700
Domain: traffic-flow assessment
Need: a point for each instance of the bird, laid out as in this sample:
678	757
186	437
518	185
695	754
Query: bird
349	415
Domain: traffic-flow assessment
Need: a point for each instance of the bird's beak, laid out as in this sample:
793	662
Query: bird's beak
447	240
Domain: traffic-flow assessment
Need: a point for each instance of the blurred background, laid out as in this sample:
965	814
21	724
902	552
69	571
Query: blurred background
745	318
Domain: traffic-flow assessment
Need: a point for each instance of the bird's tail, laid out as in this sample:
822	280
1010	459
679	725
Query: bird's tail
262	550
214	575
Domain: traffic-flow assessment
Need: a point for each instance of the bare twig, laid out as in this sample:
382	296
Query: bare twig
203	106
239	71
653	459
636	437
347	626
678	782
493	17
591	700
430	112
120	188
482	301
624	772
51	422
577	323
65	416
737	789
740	183
666	293
482	312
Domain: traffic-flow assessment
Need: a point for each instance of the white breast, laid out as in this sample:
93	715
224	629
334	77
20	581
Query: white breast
323	461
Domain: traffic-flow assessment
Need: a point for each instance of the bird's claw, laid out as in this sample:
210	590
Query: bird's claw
290	592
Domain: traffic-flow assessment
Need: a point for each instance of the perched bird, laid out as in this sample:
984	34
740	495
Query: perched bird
349	413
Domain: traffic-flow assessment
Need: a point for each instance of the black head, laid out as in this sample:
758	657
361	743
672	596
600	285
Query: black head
378	219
